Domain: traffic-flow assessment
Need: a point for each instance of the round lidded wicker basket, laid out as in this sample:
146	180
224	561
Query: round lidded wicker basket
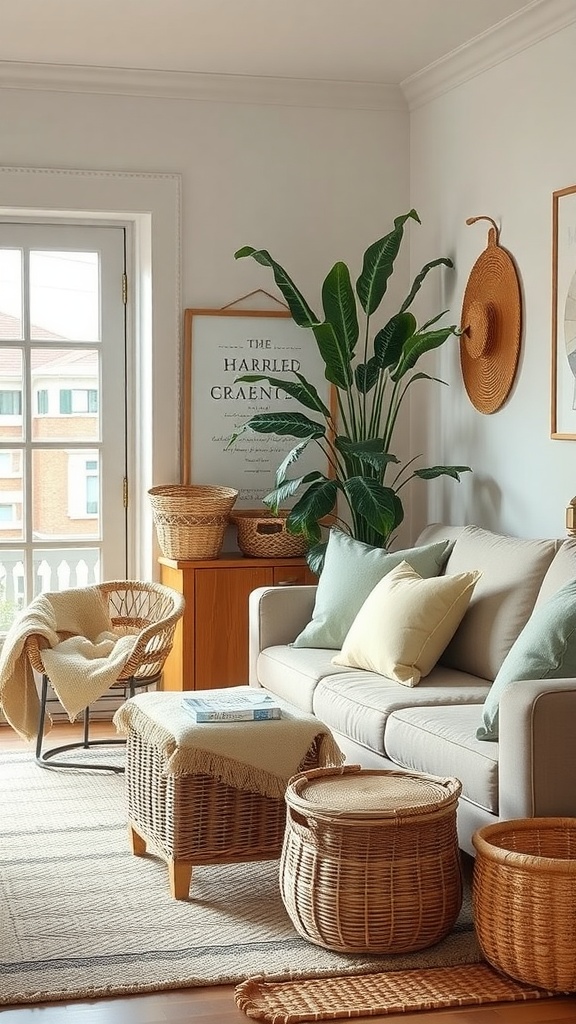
524	896
370	861
264	535
191	519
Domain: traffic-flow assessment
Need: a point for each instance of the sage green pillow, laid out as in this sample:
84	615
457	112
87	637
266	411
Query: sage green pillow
351	571
545	649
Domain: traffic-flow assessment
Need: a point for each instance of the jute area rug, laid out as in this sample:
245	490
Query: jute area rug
81	916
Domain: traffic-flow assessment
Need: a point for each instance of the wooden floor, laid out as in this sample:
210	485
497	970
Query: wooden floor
215	1004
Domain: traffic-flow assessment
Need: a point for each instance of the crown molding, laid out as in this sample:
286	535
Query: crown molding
537	21
206	88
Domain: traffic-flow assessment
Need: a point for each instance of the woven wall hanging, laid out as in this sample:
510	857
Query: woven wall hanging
491	325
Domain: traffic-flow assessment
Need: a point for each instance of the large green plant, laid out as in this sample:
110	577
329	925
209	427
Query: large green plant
370	388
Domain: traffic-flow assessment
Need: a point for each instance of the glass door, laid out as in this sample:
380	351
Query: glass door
63	516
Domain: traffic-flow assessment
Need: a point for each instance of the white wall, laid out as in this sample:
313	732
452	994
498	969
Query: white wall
312	183
499	144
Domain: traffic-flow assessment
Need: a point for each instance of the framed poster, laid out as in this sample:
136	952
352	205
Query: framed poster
563	418
221	345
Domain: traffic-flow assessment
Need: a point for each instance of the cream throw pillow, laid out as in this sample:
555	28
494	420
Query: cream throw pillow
405	623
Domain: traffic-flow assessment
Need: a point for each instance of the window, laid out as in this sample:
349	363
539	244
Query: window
10	403
42	402
78	400
6	513
92	487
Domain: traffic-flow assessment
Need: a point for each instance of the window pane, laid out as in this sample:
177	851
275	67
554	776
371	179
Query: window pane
10	294
11	423
64	303
65	394
60	495
11	496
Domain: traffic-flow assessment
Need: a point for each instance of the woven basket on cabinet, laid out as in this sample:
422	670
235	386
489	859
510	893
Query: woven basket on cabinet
191	519
264	535
524	895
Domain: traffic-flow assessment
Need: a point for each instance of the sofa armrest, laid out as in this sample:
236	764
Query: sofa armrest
537	749
276	616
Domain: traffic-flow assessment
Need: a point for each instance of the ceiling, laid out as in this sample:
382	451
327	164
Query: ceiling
381	41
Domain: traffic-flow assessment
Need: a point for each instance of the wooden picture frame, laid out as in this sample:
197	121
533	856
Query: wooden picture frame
221	345
563	376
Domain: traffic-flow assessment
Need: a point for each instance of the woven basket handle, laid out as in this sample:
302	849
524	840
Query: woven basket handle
318	773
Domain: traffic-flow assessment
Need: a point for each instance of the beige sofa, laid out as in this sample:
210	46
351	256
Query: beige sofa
379	723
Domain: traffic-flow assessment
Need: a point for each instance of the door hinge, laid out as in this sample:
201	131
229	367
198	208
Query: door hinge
125	492
124	288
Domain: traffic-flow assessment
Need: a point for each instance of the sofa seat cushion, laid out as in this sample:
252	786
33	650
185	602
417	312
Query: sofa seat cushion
442	741
293	673
357	704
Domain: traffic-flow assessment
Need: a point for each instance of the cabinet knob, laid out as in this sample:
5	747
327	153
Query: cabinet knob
289	583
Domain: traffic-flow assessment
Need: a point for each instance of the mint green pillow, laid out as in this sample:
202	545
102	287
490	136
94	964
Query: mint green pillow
545	649
351	571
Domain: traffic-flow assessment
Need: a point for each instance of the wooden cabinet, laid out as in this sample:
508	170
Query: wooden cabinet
211	640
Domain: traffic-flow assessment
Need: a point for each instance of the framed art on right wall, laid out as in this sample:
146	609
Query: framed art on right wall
563	405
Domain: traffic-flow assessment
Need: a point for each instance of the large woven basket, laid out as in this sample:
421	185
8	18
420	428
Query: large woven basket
370	860
264	535
524	895
191	519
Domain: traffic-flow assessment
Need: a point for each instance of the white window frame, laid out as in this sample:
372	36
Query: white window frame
153	312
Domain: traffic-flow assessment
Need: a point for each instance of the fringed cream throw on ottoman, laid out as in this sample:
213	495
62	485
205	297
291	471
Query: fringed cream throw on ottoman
212	793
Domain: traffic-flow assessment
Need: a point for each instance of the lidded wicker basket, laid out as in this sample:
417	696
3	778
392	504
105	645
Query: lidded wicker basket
370	861
191	519
524	896
264	535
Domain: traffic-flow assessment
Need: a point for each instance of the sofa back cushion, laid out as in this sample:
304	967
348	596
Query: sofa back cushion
561	571
512	573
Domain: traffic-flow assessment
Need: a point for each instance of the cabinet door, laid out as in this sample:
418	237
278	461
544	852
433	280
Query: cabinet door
221	633
293	576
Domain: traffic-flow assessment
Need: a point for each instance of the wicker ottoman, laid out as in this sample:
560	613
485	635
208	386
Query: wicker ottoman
194	817
370	861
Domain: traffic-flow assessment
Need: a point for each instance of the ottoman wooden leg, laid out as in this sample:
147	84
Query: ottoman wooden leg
137	843
180	873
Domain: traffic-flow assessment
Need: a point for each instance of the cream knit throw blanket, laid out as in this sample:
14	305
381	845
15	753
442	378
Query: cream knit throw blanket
80	669
255	756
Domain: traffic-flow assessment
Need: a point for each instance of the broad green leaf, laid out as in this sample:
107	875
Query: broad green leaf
292	456
370	452
335	355
315	555
443	261
434	471
339	304
287	489
299	308
378	265
301	390
366	375
377	504
390	340
316	502
291	423
417	345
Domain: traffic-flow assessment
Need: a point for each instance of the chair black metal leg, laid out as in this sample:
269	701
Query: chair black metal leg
46	758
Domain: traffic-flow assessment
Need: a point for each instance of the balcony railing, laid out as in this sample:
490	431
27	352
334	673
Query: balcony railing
52	571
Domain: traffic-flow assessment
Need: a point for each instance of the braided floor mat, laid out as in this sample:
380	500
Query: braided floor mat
368	995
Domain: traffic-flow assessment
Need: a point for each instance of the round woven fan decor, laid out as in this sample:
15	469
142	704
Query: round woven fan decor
491	324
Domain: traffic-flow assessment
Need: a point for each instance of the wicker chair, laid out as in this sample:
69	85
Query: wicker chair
151	608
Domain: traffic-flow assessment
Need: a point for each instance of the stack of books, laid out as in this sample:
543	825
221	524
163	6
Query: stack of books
232	707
